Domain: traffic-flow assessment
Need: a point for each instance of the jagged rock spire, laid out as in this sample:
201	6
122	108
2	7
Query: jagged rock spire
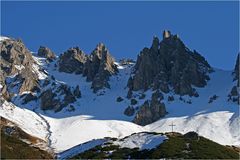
47	53
169	63
166	34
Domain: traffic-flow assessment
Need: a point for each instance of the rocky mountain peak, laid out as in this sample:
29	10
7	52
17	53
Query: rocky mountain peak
235	92
169	63
155	44
72	61
99	67
47	53
166	34
16	61
236	68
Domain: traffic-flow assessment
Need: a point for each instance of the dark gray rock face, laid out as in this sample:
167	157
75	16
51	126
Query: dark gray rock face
47	53
99	67
129	111
72	61
151	111
234	94
169	63
48	100
28	97
58	97
77	92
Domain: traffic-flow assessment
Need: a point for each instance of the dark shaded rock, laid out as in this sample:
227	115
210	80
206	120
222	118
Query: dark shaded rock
129	94
170	98
46	53
48	101
77	92
169	63
72	61
71	108
46	82
142	96
28	97
236	70
68	98
213	98
129	111
149	112
99	67
234	94
234	91
119	99
157	96
133	101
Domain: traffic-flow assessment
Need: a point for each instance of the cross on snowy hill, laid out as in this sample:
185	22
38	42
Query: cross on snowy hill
172	125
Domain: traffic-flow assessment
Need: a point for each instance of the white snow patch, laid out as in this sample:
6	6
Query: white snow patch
80	148
19	67
2	38
141	141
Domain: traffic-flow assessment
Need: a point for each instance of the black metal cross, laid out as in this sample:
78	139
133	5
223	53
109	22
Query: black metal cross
172	125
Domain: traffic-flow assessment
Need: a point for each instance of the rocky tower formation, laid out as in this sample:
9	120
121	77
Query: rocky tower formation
72	61
169	63
234	94
236	70
47	53
151	111
16	60
99	67
166	66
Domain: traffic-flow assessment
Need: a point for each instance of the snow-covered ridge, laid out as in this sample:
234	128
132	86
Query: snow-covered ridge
2	38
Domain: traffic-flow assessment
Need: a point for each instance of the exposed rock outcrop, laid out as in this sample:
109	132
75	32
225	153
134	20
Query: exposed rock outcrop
58	97
167	64
77	92
72	61
234	94
129	111
47	53
99	67
151	111
16	61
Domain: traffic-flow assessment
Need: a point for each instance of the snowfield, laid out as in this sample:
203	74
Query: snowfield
141	141
69	132
99	115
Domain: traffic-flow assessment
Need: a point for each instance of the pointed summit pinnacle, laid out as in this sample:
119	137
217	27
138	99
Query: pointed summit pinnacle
166	34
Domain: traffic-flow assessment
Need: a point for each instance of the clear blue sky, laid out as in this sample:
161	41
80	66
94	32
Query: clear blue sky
212	28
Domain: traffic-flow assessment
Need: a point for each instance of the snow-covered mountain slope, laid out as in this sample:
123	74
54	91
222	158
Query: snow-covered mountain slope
71	131
218	121
100	115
